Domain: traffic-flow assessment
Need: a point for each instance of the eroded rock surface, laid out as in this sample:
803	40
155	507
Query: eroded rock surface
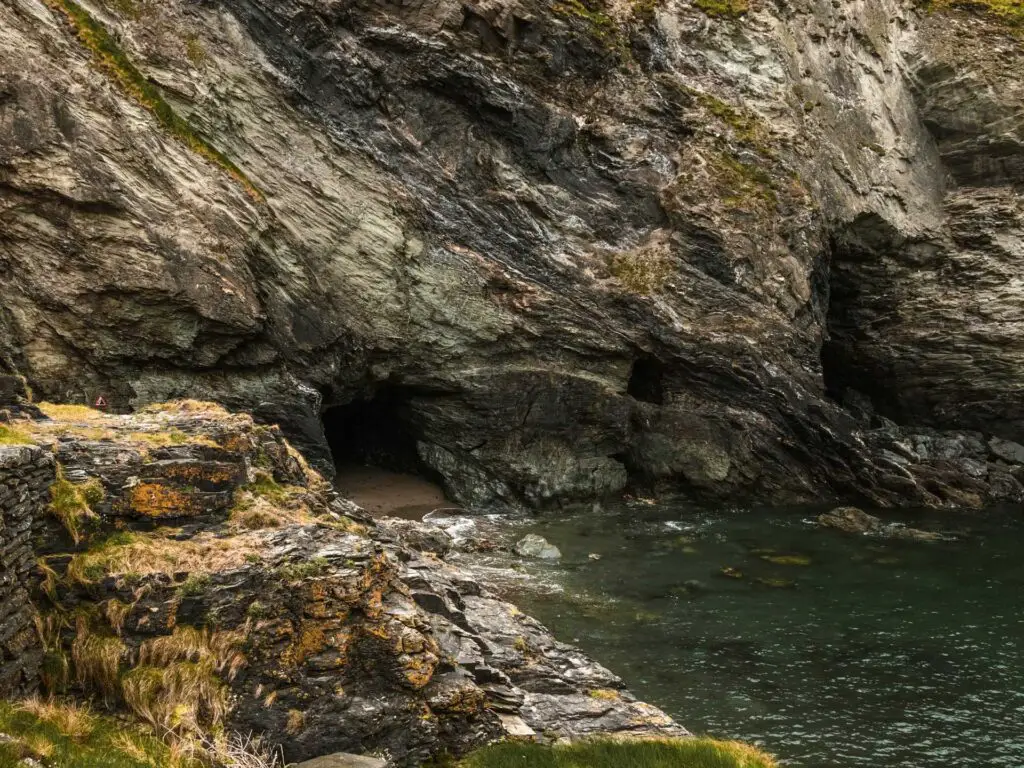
574	246
285	611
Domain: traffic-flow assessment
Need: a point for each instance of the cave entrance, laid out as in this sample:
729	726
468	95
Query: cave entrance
373	444
646	381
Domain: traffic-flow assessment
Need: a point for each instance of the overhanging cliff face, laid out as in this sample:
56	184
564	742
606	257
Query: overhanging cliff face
509	209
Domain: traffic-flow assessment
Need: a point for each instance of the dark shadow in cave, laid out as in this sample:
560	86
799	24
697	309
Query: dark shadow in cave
855	369
377	431
373	444
646	381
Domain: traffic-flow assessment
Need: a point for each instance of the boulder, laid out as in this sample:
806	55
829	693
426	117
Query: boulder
537	547
850	520
1007	450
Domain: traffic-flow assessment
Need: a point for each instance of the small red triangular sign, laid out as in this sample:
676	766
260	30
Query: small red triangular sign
101	402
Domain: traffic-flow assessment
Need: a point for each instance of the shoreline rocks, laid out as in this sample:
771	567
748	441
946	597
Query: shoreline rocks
307	620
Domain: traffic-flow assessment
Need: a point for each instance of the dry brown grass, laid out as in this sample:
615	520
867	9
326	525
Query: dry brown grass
76	721
221	650
296	722
67	412
125	742
145	553
185	406
185	697
117	613
97	660
252	511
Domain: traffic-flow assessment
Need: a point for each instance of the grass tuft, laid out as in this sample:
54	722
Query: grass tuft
614	753
97	660
185	406
71	503
126	552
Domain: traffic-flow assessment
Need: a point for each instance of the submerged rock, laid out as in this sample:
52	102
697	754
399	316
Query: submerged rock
854	520
850	520
533	545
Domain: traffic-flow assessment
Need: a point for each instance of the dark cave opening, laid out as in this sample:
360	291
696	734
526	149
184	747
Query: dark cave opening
646	381
375	431
857	367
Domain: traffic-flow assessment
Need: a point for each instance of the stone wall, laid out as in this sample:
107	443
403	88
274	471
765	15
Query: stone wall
26	473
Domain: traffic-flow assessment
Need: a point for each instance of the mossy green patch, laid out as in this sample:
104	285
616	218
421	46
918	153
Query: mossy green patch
746	126
13	436
109	57
732	9
787	559
743	183
602	26
72	503
614	753
642	271
65	735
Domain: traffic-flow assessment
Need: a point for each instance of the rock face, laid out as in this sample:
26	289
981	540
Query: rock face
283	610
26	473
552	248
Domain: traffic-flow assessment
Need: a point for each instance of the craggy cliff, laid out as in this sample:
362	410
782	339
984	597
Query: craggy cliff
551	249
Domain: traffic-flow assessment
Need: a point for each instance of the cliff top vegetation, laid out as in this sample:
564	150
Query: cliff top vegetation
614	753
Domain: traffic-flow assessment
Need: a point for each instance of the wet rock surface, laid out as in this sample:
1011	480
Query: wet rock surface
857	521
536	546
289	611
567	251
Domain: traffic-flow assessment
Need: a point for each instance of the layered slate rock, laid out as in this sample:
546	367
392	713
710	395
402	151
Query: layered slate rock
26	473
286	611
571	246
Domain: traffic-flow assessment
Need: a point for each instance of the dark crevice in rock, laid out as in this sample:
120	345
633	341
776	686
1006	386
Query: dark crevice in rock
646	381
857	306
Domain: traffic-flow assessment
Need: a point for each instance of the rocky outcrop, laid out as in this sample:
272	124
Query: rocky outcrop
221	583
561	247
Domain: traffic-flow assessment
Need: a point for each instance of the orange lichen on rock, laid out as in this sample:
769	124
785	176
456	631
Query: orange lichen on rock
159	501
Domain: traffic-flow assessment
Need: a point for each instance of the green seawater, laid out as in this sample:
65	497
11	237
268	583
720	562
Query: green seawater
824	648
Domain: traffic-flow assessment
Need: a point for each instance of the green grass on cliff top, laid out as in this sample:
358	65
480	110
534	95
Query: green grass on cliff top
608	753
1010	12
66	735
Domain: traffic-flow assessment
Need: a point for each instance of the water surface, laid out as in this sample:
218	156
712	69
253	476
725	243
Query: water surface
827	649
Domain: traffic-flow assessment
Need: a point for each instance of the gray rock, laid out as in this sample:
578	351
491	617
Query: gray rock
343	760
850	520
1007	450
538	547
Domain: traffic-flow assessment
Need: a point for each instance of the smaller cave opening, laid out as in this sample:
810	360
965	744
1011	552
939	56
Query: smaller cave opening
646	381
373	442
